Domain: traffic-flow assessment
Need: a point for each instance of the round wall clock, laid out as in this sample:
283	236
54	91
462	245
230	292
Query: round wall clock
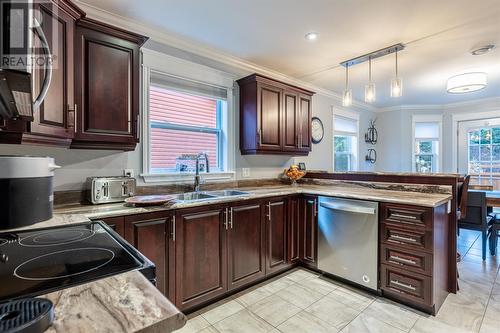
317	130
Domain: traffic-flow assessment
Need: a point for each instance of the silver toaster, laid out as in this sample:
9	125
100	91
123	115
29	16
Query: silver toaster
110	189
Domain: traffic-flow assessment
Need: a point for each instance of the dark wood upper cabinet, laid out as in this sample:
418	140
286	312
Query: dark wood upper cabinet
276	218
107	63
200	256
309	232
275	118
245	244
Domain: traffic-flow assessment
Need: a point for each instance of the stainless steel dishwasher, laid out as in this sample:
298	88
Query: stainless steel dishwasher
348	239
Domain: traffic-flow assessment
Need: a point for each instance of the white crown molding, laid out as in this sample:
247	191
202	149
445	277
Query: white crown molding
208	52
490	102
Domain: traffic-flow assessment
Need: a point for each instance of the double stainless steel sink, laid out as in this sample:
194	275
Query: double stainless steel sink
201	196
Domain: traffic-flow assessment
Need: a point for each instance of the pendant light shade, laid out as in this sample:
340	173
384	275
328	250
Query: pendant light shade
370	90
347	94
396	83
467	82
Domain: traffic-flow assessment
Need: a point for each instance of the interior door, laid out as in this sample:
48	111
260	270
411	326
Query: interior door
479	151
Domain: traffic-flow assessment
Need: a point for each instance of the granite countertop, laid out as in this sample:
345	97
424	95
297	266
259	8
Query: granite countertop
341	190
124	303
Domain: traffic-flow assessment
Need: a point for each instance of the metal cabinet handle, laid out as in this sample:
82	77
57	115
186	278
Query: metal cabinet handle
226	217
402	238
231	217
315	208
259	136
404	285
403	216
406	261
269	211
173	228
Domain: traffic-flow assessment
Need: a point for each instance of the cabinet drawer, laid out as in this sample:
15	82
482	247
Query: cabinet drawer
409	216
418	262
406	285
414	239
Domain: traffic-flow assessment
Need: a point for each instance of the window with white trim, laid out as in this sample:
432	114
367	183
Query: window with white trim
185	119
345	144
426	147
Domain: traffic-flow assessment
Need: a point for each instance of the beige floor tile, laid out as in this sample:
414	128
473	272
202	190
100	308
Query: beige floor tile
353	298
392	314
274	310
243	322
431	325
462	311
253	296
219	311
301	274
305	322
194	325
491	322
209	329
277	285
319	284
368	324
474	289
333	312
299	295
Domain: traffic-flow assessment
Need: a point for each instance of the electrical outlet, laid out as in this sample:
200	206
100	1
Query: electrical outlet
245	172
128	173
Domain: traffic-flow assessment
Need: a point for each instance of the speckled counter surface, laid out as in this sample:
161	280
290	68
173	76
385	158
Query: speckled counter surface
122	303
341	190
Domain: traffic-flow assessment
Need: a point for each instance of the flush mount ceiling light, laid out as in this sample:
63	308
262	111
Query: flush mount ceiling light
482	50
466	83
311	36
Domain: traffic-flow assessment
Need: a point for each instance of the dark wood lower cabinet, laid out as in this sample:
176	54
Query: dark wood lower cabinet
309	232
117	224
275	217
149	233
293	225
245	244
200	256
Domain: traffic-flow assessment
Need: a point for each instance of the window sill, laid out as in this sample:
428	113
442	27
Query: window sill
178	178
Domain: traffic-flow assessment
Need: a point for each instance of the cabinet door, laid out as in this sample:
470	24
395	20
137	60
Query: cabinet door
309	220
245	244
291	121
269	100
55	117
107	89
117	224
293	221
305	116
276	236
149	235
200	260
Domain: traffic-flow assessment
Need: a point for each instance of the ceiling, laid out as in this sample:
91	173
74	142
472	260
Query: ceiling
439	36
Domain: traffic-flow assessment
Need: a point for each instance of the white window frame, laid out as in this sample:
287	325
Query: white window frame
427	119
179	68
355	117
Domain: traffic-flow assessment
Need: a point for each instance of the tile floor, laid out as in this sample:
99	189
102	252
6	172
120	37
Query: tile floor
301	301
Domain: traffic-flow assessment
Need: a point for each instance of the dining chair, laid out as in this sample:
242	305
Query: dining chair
463	192
494	233
477	217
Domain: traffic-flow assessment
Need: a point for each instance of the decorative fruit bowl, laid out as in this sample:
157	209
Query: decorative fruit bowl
294	174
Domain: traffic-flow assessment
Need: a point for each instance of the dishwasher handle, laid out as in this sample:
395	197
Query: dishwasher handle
348	208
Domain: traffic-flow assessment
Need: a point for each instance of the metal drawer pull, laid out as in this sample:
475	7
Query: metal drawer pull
226	217
173	228
408	239
231	219
404	285
408	261
403	216
348	208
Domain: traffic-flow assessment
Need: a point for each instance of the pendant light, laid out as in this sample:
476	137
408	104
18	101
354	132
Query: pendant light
370	92
347	94
396	83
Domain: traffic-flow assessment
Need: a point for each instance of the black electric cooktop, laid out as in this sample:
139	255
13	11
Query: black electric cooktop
40	261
